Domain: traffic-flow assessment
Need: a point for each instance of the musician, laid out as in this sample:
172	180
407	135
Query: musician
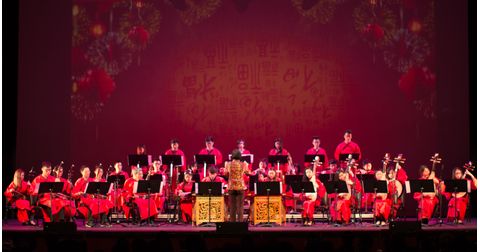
347	146
213	176
174	150
236	169
462	198
160	198
98	174
279	150
317	150
310	199
262	167
119	201
210	150
427	201
366	167
382	203
241	148
136	203
396	181
197	176
340	208
91	206
141	150
272	176
70	210
17	194
367	198
184	191
48	206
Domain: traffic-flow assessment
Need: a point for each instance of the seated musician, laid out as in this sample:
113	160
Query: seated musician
156	169
396	180
116	196
91	206
18	196
427	201
262	167
213	176
54	207
184	192
382	203
460	206
136	204
310	199
70	210
340	209
272	176
367	198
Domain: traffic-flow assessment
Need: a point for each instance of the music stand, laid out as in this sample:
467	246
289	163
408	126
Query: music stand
209	188
420	186
362	178
310	158
375	186
344	157
98	188
455	186
293	179
142	160
268	189
149	186
51	188
277	160
252	181
245	158
325	177
336	187
205	160
117	181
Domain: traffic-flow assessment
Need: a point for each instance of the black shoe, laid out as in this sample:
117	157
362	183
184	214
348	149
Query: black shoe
89	224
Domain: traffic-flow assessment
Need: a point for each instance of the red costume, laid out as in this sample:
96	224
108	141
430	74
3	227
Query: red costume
17	201
347	148
186	202
55	205
214	151
137	199
320	151
177	152
88	203
119	201
70	209
340	208
312	200
275	152
426	204
461	204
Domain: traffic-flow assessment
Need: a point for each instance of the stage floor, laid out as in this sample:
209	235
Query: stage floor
14	226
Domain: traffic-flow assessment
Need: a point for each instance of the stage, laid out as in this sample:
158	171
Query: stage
289	237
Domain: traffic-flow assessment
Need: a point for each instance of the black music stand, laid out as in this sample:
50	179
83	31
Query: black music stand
310	158
142	160
172	160
336	187
268	189
210	189
117	181
362	178
148	187
205	160
98	188
455	186
277	160
420	186
344	157
325	177
293	179
51	188
375	186
245	158
303	187
252	181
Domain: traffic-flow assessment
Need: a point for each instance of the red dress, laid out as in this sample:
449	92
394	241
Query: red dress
461	204
89	202
56	205
426	204
119	201
320	151
22	205
139	200
347	148
186	203
275	152
310	201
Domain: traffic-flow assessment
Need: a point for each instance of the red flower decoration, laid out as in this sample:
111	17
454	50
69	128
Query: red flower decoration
139	35
373	32
417	83
96	82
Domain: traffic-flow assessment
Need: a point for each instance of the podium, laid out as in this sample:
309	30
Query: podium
267	204
209	204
